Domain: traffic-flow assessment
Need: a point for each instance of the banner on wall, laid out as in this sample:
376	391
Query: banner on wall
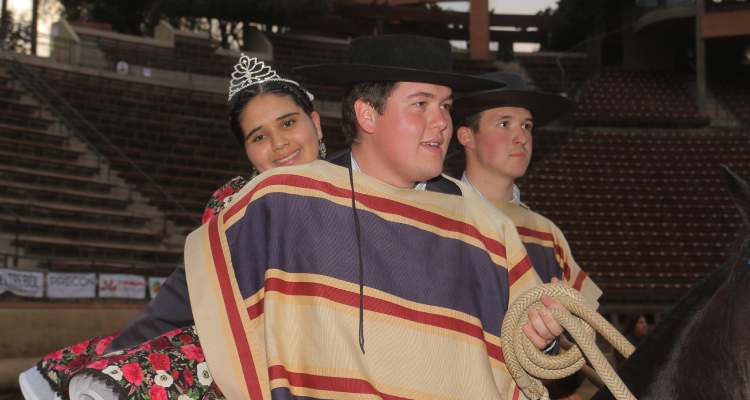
122	286
154	285
64	285
22	283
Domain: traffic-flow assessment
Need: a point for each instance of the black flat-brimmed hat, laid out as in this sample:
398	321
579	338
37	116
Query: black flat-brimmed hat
396	58
544	107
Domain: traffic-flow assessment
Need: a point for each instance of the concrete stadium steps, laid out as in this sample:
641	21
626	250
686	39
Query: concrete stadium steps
44	225
36	135
64	196
59	200
55	247
45	164
33	148
192	176
73	213
178	137
21	174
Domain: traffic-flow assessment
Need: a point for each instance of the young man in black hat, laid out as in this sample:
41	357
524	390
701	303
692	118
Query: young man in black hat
400	126
495	128
396	110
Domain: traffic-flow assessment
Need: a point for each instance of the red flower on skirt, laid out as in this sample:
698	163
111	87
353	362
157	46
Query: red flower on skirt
102	345
79	348
192	352
57	355
186	339
77	363
173	332
189	378
159	343
98	365
132	373
159	361
157	392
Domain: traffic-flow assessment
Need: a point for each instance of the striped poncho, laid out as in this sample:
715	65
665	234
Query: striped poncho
274	284
549	251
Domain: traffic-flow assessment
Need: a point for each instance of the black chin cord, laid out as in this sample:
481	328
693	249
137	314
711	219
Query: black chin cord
361	266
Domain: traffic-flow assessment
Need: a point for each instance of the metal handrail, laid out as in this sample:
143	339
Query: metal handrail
22	72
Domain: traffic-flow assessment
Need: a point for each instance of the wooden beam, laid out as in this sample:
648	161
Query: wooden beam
700	57
4	26
416	14
479	30
726	23
347	27
391	2
34	23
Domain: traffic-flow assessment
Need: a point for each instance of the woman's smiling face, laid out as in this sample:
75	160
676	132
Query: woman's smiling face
278	132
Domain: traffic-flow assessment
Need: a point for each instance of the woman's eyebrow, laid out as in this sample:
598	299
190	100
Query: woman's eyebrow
257	128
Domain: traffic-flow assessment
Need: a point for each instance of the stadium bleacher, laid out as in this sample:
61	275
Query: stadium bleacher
645	211
59	201
187	54
557	72
629	97
621	195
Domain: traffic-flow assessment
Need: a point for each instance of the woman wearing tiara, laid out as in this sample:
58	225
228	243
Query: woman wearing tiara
273	120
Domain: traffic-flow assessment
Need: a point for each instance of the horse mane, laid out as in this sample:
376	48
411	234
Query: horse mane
690	320
715	363
652	354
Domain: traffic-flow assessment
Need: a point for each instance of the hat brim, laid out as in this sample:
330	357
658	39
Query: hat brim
344	74
544	107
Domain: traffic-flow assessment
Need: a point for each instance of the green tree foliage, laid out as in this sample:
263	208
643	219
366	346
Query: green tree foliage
16	33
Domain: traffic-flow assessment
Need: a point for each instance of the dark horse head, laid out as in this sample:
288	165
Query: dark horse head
701	348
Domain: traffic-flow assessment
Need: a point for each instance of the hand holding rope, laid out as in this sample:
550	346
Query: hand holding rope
527	364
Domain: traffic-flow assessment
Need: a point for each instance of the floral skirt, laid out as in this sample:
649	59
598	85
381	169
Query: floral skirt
169	367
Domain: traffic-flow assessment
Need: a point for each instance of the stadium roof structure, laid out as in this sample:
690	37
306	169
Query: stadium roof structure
360	17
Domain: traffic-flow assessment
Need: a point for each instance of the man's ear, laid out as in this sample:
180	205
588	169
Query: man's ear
366	115
465	136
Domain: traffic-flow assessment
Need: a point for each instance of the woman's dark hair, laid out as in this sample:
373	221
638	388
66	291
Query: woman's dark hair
279	88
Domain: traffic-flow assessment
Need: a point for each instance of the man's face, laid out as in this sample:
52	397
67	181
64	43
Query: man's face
502	144
411	137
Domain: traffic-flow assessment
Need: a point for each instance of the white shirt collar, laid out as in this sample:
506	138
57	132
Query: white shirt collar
515	198
355	167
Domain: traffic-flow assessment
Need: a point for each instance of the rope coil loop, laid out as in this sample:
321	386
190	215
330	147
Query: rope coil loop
527	364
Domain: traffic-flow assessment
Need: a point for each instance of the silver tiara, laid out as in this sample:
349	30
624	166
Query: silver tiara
251	71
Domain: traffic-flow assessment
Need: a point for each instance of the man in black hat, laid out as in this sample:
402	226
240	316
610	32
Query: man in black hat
396	111
495	128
